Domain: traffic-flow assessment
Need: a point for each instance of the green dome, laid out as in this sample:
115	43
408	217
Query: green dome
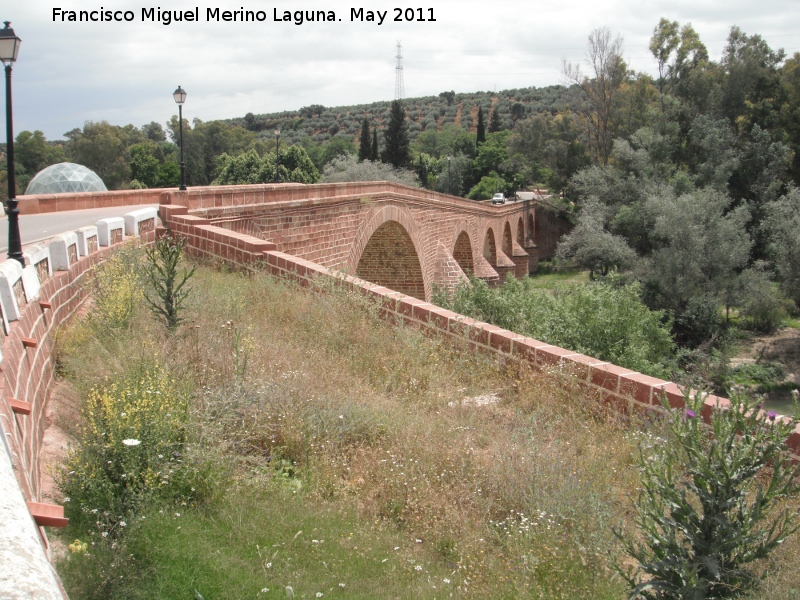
65	178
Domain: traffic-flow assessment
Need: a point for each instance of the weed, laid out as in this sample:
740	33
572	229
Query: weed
163	258
711	501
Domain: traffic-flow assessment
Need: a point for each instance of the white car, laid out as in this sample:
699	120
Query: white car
499	198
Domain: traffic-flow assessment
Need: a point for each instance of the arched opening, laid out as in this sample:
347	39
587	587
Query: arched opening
520	232
463	253
390	259
489	247
530	227
507	240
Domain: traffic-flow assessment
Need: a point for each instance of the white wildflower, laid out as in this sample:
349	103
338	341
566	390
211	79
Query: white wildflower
131	442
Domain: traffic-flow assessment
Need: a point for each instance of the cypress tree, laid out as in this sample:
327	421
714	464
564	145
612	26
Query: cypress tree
422	171
481	127
494	123
365	145
373	155
396	137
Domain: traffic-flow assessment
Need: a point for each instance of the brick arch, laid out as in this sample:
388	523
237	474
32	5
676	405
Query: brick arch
490	247
463	250
521	232
531	227
508	241
387	251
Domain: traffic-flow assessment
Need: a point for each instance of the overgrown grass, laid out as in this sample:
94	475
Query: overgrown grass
339	450
550	278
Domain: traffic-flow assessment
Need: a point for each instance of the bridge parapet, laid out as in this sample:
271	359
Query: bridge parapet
348	227
40	297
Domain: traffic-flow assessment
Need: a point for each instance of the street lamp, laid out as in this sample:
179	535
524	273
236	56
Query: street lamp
180	98
9	48
277	154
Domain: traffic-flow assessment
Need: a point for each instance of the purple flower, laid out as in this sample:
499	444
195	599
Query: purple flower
690	413
772	414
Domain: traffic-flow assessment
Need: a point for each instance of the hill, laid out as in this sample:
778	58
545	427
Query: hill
321	123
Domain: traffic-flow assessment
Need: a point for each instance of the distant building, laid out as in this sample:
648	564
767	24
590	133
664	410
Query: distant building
65	178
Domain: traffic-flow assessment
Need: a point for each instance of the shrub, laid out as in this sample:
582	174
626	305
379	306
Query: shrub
606	320
710	501
130	448
116	292
760	302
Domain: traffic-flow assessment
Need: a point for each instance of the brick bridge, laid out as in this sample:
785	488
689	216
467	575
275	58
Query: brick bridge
407	239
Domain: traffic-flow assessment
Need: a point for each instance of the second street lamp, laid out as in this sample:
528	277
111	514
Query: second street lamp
9	48
277	154
180	97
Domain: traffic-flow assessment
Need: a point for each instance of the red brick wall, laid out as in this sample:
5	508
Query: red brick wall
331	224
46	203
28	373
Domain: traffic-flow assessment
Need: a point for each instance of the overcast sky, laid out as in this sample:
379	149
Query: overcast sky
69	73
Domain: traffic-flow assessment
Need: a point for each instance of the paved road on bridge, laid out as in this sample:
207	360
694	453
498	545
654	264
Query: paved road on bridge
35	228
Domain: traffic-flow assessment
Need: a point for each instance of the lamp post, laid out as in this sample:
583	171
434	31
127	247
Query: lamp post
449	190
180	97
277	154
9	48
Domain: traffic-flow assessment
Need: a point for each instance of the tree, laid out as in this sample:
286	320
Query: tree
397	151
752	89
295	165
144	166
103	148
608	70
154	132
449	97
242	169
453	176
481	129
311	111
546	149
517	111
33	153
337	146
374	153
782	226
790	109
449	140
663	44
365	142
592	247
489	185
348	168
701	247
249	167
494	122
711	501
493	154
